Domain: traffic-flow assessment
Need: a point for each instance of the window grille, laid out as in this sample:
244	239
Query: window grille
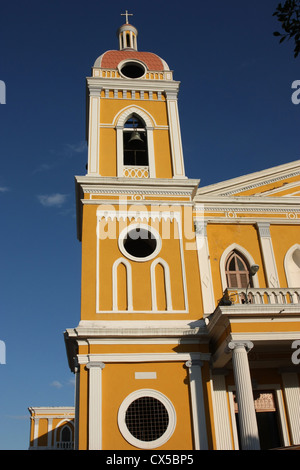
147	419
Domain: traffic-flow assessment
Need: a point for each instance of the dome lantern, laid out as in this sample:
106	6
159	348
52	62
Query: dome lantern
127	34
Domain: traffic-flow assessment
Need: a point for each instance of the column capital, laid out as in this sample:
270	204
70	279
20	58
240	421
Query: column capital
200	227
171	94
263	229
195	362
247	345
99	365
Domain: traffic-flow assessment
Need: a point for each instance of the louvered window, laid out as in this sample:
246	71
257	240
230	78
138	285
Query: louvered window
237	271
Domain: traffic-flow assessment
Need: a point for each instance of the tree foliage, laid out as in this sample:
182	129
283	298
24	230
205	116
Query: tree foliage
289	17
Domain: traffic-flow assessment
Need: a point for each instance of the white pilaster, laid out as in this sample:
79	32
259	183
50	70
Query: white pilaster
76	401
197	402
292	398
175	134
246	410
151	158
94	134
49	432
208	297
95	405
221	413
36	432
268	254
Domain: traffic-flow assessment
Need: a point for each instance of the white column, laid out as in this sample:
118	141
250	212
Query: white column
246	410
95	405
268	254
292	399
197	402
175	134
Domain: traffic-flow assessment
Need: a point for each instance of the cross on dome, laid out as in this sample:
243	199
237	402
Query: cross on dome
126	14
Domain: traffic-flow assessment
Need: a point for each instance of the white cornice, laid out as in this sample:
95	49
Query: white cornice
143	357
252	180
137	184
251	312
96	84
132	329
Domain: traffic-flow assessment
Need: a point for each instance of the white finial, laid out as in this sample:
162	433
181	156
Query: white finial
126	14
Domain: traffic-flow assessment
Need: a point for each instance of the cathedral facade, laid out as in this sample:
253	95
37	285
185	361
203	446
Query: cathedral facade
190	300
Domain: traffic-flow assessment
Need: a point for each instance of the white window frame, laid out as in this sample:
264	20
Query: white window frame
122	424
131	227
120	120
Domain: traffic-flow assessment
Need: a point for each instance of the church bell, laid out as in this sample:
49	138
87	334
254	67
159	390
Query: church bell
135	138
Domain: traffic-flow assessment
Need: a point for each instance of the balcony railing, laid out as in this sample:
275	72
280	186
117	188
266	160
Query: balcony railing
65	445
263	296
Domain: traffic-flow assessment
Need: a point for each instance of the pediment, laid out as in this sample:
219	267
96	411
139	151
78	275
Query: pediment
279	181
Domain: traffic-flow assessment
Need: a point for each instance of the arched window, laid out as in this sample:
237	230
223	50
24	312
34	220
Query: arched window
292	266
66	435
65	439
135	145
135	142
237	271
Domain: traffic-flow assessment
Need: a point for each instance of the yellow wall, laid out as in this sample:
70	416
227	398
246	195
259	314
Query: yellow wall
109	110
109	252
220	236
283	238
176	390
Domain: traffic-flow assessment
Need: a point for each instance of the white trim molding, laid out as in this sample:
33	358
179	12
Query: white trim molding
127	266
167	283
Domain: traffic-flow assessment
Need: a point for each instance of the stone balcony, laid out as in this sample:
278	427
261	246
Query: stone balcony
263	296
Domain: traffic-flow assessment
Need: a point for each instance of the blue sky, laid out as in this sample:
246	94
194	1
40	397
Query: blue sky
236	117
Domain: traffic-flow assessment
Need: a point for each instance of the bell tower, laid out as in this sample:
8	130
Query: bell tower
141	328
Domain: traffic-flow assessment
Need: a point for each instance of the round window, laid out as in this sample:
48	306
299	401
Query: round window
146	419
139	242
132	70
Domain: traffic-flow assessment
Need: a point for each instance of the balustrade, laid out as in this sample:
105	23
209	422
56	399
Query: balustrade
264	296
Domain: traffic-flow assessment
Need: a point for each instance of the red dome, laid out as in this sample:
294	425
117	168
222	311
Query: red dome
111	59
